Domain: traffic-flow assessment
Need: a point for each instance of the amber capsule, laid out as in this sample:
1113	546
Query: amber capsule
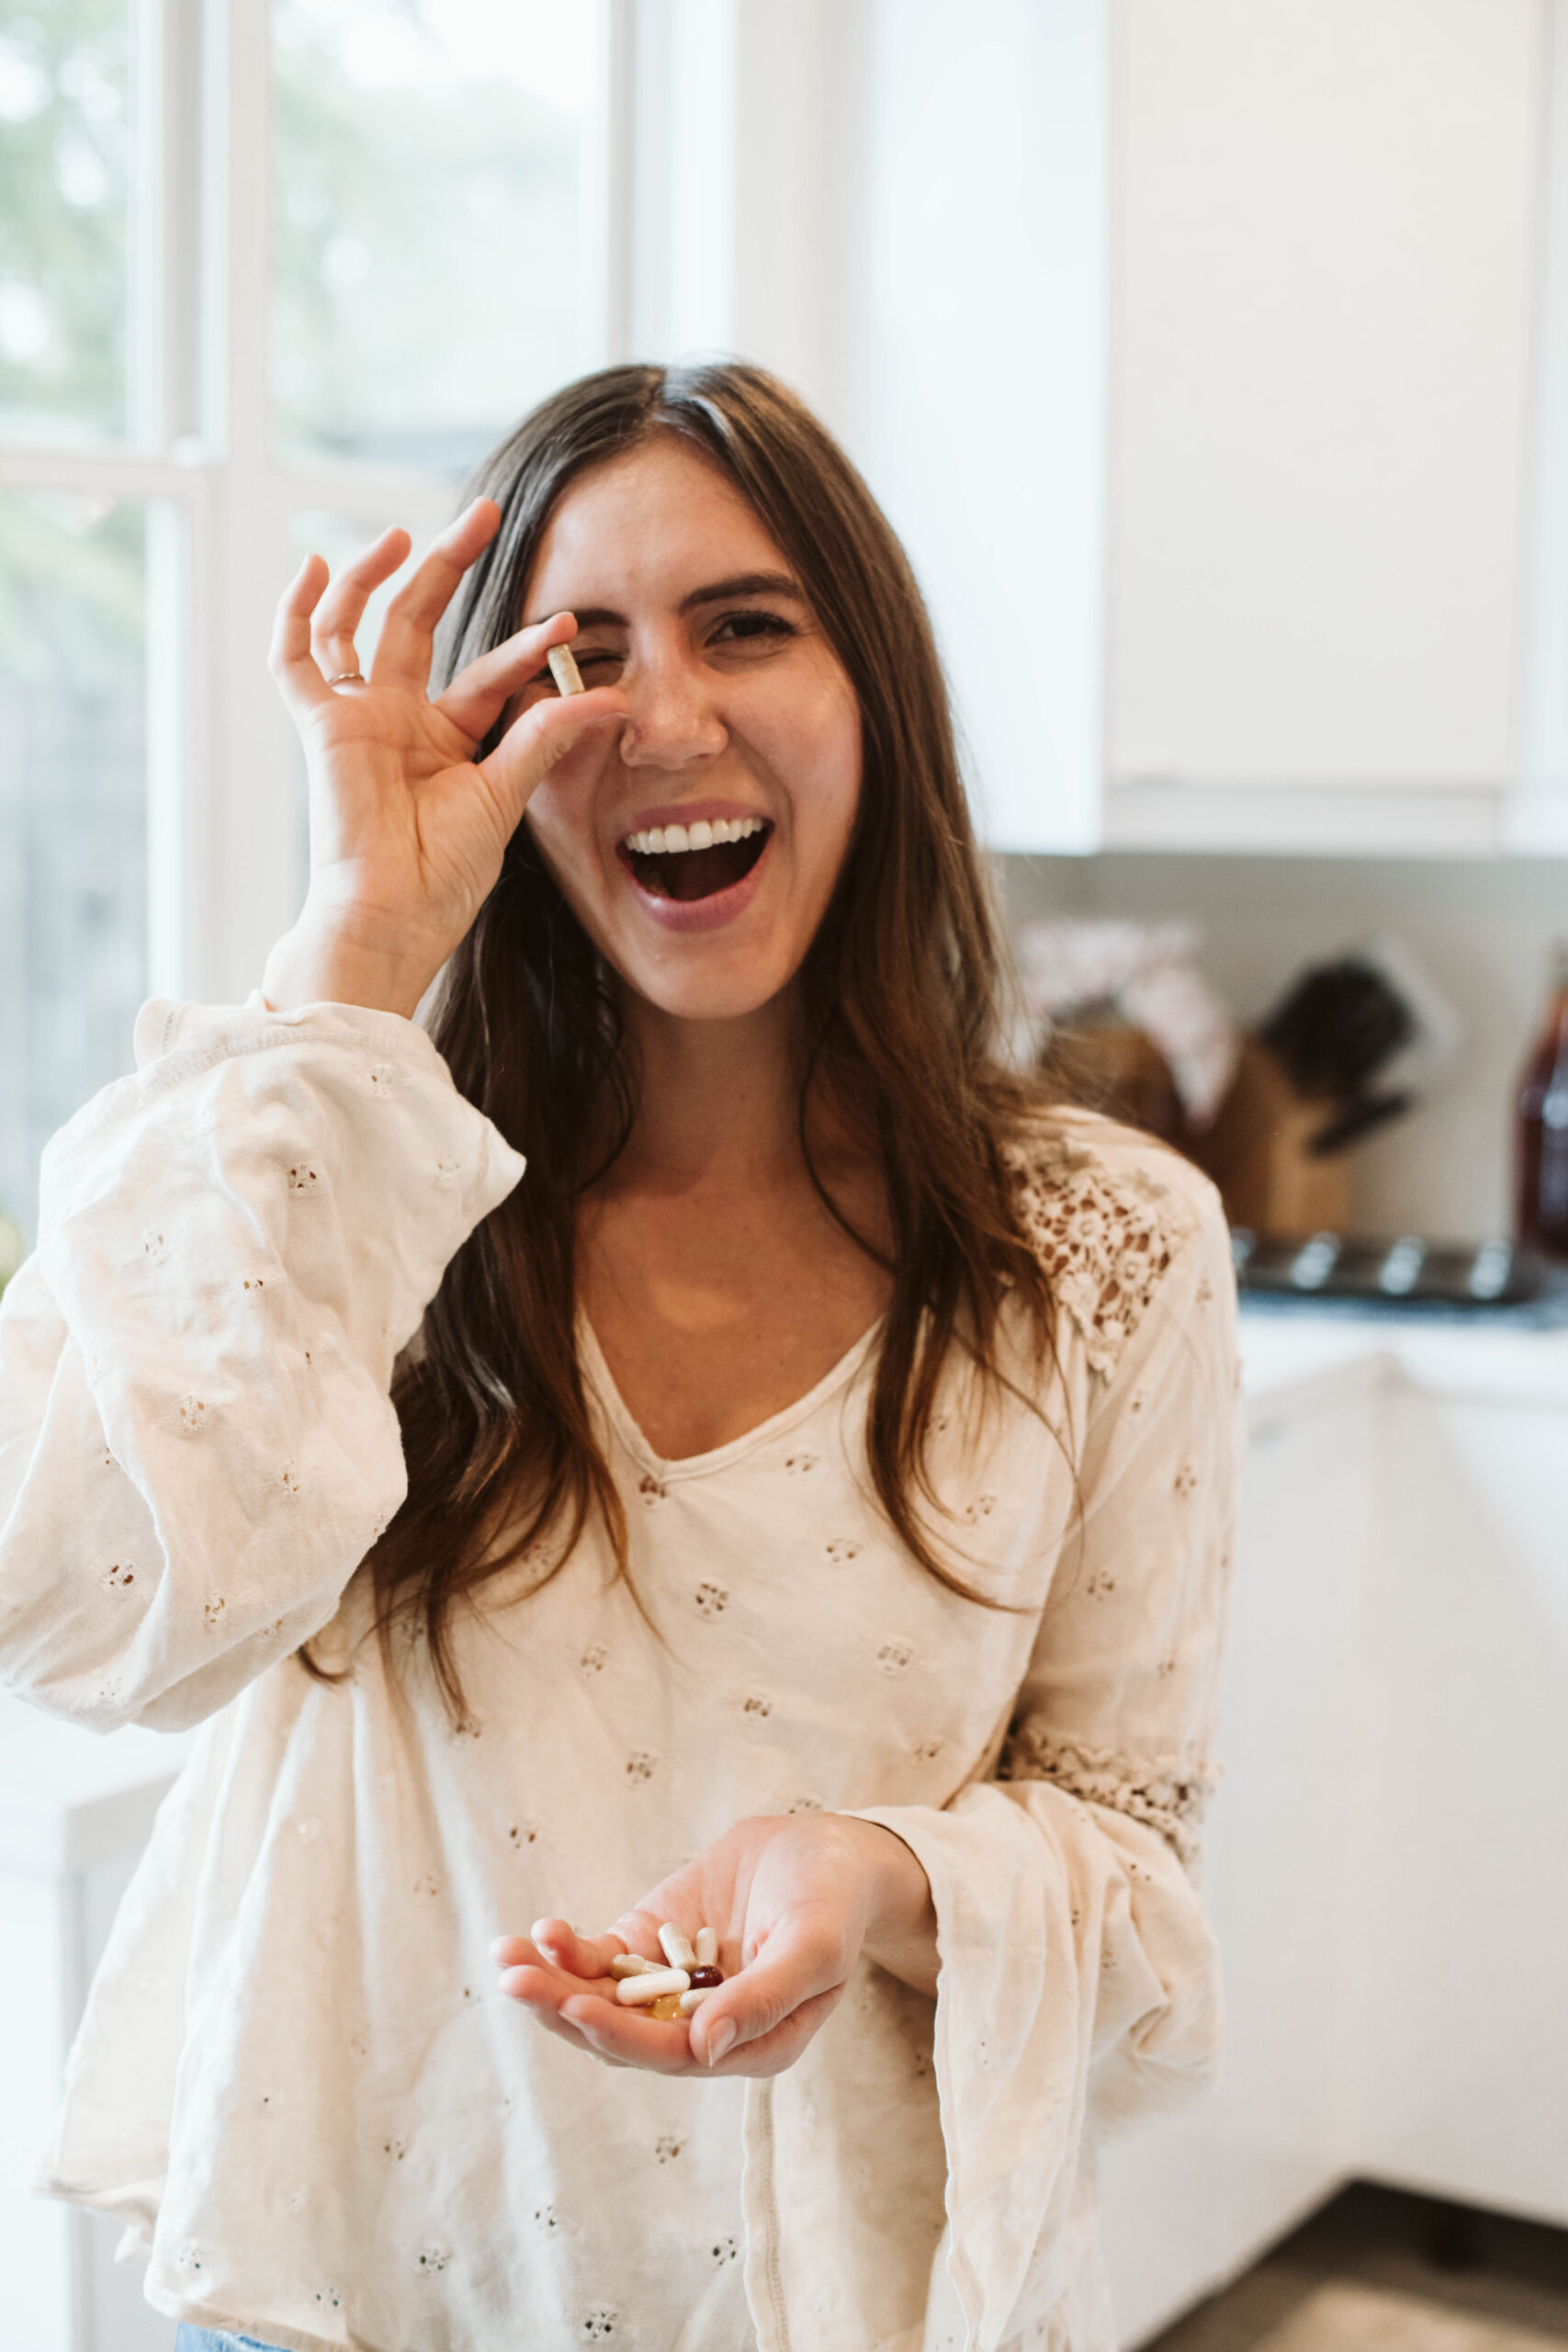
708	1977
667	2006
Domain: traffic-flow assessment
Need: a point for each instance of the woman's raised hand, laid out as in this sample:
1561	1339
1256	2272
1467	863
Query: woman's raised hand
794	1900
407	830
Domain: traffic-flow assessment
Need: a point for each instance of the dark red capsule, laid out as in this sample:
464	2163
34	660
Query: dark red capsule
702	1977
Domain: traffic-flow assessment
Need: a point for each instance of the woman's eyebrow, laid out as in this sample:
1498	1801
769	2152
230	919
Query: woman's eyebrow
745	583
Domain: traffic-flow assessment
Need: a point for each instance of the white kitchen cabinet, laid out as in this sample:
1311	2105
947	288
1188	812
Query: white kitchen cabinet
1325	244
1459	2014
75	1814
1190	2200
1387	1873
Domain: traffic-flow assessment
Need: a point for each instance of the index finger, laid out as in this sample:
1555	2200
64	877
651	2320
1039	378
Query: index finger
478	693
408	633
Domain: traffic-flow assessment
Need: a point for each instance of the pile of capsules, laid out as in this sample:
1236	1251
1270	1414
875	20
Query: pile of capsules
675	1991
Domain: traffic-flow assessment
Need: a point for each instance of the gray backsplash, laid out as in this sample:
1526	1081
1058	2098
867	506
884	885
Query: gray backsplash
1484	930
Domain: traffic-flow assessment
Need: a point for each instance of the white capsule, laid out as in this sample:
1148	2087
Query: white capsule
676	1945
564	670
695	1997
630	1963
707	1950
635	1990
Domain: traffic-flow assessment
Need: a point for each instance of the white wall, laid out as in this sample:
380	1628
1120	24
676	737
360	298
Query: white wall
972	379
1484	930
908	219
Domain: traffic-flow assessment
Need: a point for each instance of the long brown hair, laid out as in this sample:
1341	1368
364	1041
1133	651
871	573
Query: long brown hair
899	989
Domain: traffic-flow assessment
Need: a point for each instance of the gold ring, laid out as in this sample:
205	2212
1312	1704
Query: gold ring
346	676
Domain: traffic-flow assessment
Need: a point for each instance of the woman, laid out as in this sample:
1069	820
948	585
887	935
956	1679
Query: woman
798	1504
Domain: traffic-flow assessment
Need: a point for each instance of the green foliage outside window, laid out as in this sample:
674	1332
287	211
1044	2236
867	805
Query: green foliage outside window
426	270
63	163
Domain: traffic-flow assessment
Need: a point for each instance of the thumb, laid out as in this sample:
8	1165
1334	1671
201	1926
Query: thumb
801	1960
544	735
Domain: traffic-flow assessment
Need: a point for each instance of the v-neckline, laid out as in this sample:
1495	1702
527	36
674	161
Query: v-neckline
718	1457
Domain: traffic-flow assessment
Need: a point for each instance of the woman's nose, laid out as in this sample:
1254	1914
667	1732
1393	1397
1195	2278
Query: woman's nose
673	719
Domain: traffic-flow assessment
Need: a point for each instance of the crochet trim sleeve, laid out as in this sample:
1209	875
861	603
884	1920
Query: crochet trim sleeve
1167	1793
1105	1235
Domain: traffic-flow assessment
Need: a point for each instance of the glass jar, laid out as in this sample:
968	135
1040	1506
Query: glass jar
1542	1161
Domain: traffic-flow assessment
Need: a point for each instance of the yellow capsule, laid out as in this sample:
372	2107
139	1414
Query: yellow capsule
667	2006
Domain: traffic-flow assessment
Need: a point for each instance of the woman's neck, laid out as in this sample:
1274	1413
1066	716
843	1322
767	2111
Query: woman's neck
718	1102
718	1284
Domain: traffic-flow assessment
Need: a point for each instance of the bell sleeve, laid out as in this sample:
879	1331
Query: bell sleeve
1078	1986
197	1443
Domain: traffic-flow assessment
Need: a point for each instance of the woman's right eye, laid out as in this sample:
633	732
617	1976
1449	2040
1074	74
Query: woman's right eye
597	656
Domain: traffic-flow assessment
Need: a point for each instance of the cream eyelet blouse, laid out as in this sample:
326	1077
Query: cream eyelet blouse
296	2080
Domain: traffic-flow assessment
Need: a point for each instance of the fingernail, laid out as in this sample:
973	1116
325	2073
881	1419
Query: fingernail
721	2041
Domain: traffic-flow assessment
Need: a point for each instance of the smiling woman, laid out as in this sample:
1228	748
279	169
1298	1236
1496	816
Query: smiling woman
733	586
737	687
797	1508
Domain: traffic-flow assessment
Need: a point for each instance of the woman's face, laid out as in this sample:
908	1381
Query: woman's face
744	731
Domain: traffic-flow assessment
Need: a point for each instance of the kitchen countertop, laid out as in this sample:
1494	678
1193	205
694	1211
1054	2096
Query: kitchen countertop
1495	1358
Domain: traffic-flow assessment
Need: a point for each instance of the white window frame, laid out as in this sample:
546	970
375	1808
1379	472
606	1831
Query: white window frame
223	834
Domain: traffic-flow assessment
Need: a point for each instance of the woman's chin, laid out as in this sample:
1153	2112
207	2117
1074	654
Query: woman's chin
721	974
722	987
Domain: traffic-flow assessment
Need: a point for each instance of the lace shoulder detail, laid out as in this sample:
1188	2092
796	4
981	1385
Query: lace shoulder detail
1168	1794
1104	1224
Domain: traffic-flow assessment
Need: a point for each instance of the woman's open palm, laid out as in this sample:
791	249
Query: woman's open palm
408	830
790	1898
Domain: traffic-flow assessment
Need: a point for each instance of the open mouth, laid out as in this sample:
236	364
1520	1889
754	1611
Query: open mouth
697	861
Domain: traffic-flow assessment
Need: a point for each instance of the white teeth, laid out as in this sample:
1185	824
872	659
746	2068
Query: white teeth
661	841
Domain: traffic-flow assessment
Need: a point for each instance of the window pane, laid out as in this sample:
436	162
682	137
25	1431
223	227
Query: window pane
430	281
73	814
64	162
